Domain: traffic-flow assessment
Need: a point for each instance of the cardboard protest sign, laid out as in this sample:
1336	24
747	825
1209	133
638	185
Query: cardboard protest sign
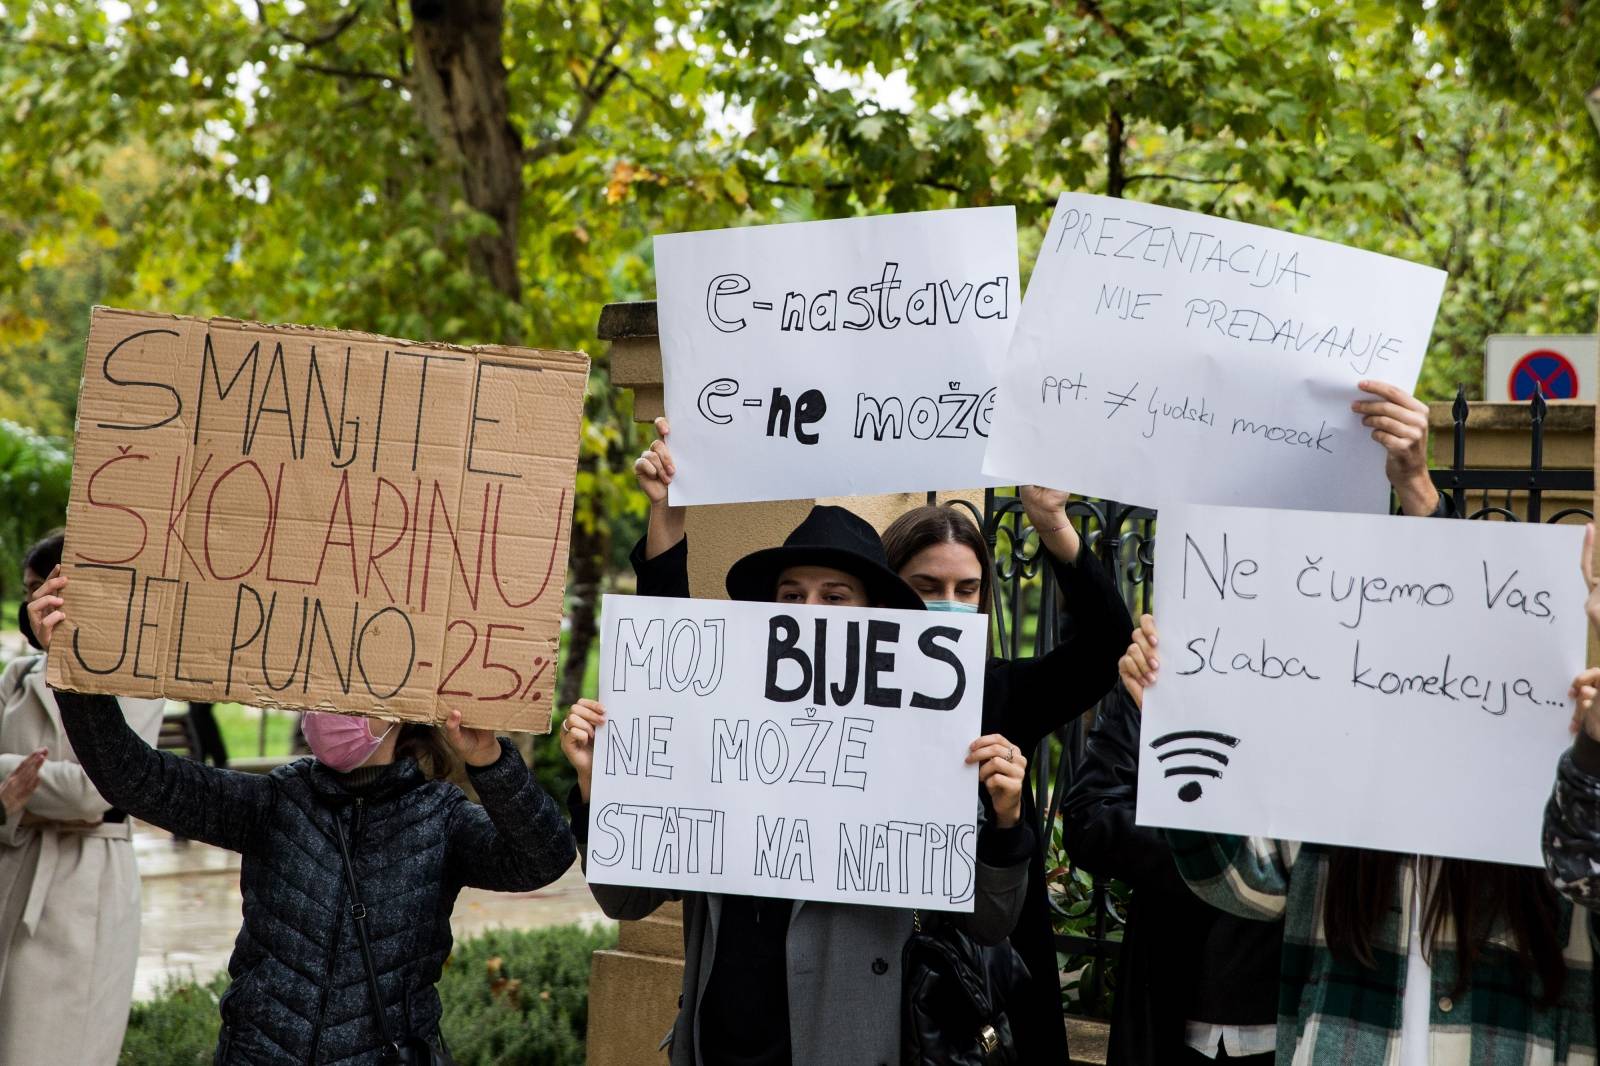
781	750
835	358
1389	683
297	517
1164	356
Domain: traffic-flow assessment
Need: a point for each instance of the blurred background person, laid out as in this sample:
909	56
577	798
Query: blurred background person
69	889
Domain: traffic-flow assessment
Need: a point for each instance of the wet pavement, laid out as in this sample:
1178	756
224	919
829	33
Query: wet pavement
191	909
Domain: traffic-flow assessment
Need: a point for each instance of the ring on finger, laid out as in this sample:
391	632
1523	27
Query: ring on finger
566	725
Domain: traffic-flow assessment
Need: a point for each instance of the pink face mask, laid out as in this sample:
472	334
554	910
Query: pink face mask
341	742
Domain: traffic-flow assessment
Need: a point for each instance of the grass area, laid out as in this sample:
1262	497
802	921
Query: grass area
241	730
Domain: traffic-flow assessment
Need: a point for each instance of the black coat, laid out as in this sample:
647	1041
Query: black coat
1181	958
299	992
1026	700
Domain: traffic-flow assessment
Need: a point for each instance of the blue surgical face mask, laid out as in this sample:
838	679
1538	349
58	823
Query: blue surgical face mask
951	605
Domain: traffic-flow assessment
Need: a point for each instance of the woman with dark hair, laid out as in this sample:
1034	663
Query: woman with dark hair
941	554
69	888
1406	959
1196	984
352	860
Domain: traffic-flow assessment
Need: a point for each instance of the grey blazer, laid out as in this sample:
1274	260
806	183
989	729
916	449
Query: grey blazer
844	964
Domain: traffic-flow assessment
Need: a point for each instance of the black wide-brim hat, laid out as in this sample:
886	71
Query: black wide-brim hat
831	537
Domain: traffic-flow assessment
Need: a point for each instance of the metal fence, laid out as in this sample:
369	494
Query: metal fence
1123	540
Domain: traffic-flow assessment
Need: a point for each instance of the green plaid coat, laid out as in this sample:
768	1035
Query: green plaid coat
1333	1013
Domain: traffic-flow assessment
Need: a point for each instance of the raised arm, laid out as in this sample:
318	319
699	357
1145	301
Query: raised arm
655	470
220	807
198	802
1399	422
1047	692
578	731
517	840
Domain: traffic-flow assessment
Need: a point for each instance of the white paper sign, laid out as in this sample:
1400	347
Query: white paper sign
787	751
837	358
1164	356
1388	683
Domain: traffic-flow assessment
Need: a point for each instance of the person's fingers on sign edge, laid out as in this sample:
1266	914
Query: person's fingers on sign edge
1392	393
664	453
989	740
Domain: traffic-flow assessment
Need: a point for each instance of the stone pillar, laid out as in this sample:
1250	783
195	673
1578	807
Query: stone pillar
633	991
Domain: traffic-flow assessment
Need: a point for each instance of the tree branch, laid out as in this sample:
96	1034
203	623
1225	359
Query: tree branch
1131	178
400	33
592	89
327	36
357	73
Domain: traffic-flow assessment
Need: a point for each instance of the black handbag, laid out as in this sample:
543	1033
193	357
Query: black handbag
956	993
412	1051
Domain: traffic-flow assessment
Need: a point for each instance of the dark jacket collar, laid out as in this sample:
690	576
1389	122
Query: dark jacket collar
329	787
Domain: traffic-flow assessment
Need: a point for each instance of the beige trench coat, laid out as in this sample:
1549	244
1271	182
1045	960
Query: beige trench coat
69	900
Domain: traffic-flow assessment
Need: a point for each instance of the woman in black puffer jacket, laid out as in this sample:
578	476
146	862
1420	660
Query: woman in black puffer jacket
300	992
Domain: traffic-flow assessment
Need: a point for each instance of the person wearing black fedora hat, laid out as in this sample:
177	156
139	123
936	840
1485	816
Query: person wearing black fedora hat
770	982
830	538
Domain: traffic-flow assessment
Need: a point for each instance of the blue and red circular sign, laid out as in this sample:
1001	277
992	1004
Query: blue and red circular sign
1551	371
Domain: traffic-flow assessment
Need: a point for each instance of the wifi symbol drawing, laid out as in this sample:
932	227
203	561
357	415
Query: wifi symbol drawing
1191	790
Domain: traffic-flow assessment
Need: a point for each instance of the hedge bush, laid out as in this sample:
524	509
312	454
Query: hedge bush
511	998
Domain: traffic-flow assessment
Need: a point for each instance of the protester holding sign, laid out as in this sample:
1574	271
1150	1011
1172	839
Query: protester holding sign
1389	957
69	888
1191	976
775	981
1393	958
945	559
367	836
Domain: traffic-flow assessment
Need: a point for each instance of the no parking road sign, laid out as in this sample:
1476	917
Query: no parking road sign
1561	366
1546	371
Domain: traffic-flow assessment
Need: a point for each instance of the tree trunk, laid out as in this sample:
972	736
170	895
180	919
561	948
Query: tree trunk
1116	175
460	93
586	563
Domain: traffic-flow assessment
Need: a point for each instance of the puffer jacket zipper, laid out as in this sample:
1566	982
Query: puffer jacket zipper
333	948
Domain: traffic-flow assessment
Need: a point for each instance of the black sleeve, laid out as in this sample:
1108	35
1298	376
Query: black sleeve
1098	811
1043	694
224	808
517	840
665	575
1571	834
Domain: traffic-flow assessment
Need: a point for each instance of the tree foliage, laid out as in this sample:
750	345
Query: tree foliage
35	475
491	170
